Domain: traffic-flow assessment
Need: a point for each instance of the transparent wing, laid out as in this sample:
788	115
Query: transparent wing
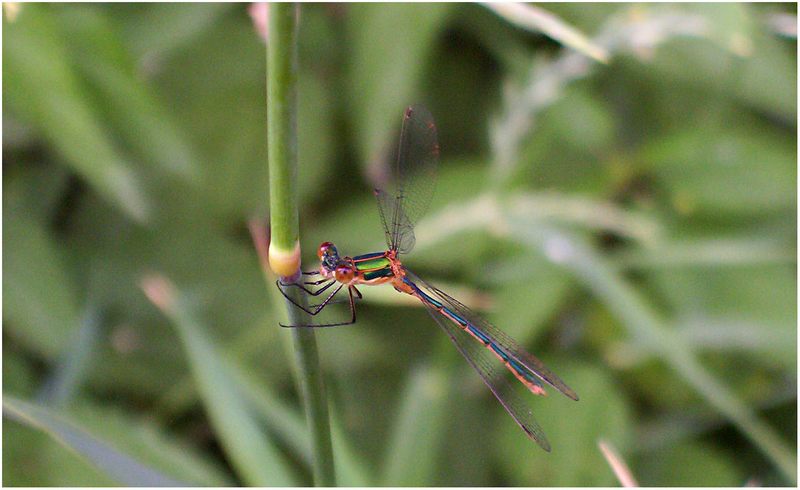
495	376
405	198
511	347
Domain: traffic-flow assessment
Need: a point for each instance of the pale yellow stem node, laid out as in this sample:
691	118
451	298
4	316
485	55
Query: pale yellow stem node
282	262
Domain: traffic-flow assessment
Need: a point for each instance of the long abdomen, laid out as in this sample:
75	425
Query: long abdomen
516	368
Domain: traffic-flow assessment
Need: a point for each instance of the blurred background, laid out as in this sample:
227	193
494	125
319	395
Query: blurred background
617	191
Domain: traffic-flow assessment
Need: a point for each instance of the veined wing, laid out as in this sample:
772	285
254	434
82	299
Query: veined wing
406	196
496	336
492	372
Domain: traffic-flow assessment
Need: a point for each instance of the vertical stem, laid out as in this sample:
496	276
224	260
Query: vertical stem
316	403
282	141
282	125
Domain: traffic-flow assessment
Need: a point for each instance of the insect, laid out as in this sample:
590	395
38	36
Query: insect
487	349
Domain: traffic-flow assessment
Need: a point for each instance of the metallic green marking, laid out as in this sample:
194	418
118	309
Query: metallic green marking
386	272
373	264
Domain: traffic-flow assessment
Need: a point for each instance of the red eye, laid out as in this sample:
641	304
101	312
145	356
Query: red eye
344	274
324	249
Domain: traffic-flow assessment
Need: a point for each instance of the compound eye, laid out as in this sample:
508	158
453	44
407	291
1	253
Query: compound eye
344	274
325	249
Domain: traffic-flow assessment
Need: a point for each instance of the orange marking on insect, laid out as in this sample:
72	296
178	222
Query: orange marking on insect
371	282
533	387
401	286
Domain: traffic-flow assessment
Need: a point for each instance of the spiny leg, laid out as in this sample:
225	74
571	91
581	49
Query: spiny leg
340	301
308	291
322	305
309	283
319	306
314	283
305	273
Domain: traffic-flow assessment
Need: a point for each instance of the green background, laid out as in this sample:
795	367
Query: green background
646	249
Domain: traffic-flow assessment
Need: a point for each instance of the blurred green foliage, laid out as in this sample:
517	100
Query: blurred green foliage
650	198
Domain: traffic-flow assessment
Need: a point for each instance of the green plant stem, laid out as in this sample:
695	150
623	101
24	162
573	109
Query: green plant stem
312	389
282	141
282	124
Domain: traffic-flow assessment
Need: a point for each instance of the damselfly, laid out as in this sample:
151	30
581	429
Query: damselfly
401	205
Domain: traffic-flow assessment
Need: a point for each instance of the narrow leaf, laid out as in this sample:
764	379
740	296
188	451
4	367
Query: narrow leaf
255	457
40	310
644	325
415	438
118	465
49	95
391	43
73	362
537	19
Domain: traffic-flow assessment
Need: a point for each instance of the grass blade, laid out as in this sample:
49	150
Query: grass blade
606	282
539	20
41	310
129	107
644	325
118	465
255	458
72	366
51	96
290	427
416	437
